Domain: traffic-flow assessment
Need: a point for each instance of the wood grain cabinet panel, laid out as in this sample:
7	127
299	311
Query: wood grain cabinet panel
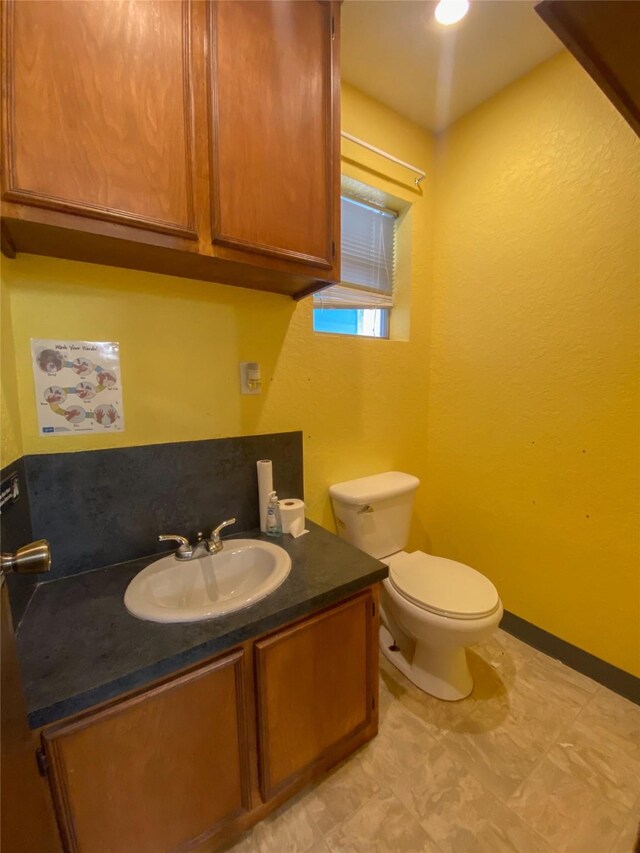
197	138
604	36
195	761
98	111
329	666
27	824
154	772
275	129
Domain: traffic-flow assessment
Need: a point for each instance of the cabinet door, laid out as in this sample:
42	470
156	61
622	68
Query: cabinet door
154	772
316	686
274	101
603	37
26	820
99	111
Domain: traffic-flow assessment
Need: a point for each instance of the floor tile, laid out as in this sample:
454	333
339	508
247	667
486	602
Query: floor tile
543	712
505	832
290	829
630	835
385	697
507	733
606	764
320	847
383	825
342	793
566	812
493	671
441	791
499	752
244	844
614	718
504	652
402	742
558	683
458	813
439	717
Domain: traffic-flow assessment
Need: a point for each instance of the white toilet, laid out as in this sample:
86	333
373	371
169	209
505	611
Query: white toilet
431	607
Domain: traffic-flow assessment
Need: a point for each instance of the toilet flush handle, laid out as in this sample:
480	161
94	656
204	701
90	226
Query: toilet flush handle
365	508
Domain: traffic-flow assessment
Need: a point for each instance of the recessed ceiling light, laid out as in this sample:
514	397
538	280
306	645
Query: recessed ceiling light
451	11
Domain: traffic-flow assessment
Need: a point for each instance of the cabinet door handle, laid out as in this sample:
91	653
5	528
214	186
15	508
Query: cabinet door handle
41	761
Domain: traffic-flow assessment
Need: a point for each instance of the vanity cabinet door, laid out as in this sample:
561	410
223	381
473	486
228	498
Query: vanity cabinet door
156	771
316	689
274	128
98	112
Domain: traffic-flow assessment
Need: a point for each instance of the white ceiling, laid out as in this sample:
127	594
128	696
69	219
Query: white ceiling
395	51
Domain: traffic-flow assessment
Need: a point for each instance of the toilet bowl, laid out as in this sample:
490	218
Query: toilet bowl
432	608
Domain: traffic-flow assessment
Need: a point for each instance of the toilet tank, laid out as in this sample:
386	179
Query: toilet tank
374	513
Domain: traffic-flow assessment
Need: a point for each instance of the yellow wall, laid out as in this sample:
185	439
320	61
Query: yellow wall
181	342
533	442
10	426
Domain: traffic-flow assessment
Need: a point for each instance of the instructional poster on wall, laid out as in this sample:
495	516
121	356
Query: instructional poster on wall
78	386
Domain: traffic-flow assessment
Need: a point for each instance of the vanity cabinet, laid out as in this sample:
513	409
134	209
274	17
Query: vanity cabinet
156	770
192	137
199	758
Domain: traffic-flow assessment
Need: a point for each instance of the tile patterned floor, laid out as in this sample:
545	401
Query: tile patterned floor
539	759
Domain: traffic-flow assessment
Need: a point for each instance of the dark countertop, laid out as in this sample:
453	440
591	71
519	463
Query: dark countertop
78	645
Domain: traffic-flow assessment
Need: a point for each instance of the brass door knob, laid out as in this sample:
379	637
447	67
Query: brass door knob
30	559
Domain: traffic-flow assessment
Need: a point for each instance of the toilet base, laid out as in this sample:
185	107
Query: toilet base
442	672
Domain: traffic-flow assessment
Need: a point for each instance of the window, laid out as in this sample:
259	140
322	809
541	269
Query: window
361	303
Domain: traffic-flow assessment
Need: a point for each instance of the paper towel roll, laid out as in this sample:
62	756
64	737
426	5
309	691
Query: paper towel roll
292	512
265	485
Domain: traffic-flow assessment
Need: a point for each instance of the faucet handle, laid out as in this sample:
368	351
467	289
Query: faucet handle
215	533
183	546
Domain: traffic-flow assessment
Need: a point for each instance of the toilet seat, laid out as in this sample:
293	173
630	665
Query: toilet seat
442	586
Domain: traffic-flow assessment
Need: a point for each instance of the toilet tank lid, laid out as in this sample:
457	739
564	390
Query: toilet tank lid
377	487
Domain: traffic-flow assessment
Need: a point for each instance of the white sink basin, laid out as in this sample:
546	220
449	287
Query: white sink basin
171	590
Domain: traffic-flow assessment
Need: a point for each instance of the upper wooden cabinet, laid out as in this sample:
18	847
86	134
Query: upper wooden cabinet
604	36
273	146
181	136
99	111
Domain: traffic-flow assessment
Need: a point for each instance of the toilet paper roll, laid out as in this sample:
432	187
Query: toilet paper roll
265	485
297	528
292	511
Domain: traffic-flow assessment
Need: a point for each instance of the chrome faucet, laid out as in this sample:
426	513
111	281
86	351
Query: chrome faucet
215	543
186	551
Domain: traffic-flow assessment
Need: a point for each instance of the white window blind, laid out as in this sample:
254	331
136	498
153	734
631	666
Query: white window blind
367	259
